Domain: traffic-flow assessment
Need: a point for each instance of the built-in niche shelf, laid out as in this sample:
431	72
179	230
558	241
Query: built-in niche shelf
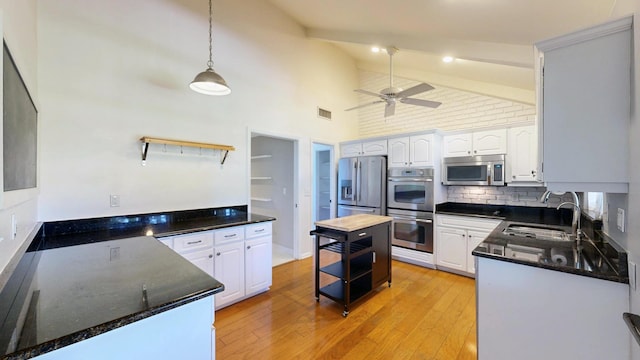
261	199
146	140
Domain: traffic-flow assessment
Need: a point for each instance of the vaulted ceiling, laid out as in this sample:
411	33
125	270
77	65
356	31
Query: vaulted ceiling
492	40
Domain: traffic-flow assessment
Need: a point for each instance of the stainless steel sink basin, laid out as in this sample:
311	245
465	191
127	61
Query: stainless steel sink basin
534	232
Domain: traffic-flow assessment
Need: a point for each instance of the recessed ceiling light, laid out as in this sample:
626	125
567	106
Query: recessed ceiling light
447	59
375	49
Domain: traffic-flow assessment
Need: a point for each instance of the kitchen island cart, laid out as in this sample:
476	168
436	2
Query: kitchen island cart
363	245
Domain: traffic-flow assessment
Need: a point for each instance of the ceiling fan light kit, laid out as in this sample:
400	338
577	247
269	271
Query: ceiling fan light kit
210	82
393	95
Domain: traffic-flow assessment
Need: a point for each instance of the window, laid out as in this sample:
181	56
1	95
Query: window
592	204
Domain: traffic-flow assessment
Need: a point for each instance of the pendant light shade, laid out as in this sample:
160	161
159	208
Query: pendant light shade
210	82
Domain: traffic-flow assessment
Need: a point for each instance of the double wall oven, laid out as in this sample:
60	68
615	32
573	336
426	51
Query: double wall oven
410	203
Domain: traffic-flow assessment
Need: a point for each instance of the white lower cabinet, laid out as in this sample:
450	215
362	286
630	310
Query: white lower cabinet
229	270
239	257
456	237
258	264
243	262
196	247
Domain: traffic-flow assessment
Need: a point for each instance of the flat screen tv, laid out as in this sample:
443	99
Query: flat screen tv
20	129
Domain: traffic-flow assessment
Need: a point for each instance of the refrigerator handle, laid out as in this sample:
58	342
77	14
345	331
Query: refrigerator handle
359	179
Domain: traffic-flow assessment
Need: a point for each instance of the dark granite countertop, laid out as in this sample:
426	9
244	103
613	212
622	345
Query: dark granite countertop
81	278
597	256
71	232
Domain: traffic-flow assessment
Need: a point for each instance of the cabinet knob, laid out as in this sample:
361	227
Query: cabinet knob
468	152
248	247
217	254
210	256
475	151
514	176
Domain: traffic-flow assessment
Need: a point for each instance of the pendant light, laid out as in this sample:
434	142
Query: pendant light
209	82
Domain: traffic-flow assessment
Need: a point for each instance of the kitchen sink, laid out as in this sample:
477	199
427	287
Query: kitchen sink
534	232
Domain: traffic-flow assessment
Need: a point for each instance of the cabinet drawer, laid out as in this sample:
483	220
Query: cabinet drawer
229	235
190	242
467	222
256	230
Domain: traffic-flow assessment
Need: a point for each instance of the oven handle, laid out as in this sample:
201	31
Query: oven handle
410	220
410	180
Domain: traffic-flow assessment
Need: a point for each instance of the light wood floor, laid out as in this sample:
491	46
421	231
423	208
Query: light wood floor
426	314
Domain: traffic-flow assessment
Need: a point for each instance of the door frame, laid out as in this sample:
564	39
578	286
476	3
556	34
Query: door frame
296	174
332	181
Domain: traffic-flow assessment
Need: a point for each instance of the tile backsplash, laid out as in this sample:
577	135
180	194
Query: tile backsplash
503	195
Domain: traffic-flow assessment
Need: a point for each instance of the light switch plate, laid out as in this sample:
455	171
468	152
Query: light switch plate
620	220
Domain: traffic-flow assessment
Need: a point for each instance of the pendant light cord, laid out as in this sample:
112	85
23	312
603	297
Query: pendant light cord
210	62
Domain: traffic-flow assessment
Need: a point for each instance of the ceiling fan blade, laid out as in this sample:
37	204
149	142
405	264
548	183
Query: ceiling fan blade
367	104
420	102
415	90
390	109
367	92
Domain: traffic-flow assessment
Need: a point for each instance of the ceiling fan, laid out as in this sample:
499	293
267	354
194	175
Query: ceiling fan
393	95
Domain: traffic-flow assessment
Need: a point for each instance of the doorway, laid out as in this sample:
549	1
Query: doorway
273	189
323	166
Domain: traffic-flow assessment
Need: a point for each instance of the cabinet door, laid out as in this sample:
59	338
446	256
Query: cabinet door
421	150
490	142
522	157
258	260
229	270
350	150
398	155
451	247
203	259
457	145
586	112
381	268
474	238
374	147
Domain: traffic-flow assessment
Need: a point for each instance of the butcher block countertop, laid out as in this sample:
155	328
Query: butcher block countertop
353	222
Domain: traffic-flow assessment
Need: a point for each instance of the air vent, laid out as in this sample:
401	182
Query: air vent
324	114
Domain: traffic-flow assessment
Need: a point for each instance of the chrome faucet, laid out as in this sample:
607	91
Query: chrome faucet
575	221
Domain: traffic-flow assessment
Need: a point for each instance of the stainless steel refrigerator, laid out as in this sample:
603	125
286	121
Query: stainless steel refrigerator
362	185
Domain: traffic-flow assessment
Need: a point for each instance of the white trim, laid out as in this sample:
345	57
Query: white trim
587	34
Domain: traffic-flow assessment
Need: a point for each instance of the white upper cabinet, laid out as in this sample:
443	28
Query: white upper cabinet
410	151
522	160
489	142
365	148
457	145
584	82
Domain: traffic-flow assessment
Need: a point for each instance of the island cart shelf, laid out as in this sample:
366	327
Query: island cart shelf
364	262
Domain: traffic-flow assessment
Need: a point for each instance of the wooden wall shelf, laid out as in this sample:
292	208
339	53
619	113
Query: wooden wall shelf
146	140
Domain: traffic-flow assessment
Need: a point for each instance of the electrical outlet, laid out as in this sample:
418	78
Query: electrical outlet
632	275
114	254
620	220
114	200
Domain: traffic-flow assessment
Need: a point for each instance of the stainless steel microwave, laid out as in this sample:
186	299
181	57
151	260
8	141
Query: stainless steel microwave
473	170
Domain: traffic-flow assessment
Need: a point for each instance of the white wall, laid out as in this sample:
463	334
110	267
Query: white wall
459	109
113	71
19	29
